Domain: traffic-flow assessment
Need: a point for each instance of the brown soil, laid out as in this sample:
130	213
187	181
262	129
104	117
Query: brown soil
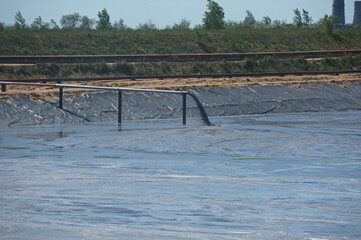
185	84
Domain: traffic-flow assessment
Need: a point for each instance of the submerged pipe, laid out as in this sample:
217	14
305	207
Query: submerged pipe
204	116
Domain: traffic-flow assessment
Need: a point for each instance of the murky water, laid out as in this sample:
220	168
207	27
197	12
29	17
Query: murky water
251	177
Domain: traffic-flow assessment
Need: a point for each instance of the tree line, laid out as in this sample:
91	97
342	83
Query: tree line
213	18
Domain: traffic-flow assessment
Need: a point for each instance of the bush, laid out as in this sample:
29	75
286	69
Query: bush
123	68
2	26
102	69
147	26
250	64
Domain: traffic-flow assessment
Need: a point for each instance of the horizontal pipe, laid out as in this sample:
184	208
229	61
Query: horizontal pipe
182	55
94	87
120	89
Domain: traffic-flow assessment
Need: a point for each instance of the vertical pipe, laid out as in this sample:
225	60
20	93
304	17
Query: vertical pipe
3	87
119	107
61	98
184	108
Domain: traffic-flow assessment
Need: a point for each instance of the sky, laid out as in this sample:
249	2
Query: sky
164	12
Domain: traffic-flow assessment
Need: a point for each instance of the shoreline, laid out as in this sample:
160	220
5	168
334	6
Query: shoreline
189	83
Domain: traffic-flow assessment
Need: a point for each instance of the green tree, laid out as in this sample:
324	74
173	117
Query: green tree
38	24
53	25
267	21
214	17
70	21
20	23
230	24
119	25
147	26
184	24
278	24
249	21
297	19
327	24
104	20
307	20
86	22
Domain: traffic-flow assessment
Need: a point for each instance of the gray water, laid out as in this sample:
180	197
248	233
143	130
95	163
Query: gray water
294	176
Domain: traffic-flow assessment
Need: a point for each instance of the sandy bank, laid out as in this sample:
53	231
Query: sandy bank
186	84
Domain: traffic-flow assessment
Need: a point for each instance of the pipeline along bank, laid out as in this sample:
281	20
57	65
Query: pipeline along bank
220	101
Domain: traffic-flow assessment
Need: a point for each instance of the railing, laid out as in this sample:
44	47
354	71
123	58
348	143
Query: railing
120	101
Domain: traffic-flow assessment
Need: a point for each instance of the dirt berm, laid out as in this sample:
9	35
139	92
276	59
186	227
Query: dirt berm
218	101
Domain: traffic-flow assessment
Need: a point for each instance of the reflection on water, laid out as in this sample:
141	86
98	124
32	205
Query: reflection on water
250	177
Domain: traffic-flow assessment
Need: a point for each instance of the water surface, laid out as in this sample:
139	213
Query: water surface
294	176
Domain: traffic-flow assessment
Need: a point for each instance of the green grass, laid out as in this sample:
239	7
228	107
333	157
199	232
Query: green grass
97	42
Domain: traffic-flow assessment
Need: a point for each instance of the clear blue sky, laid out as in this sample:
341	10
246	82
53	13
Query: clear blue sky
164	12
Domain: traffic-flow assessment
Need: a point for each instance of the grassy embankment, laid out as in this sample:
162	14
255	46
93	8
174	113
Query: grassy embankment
96	42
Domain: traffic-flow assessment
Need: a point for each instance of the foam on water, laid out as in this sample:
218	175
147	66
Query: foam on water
291	176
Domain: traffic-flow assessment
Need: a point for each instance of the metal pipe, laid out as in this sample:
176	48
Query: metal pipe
94	87
61	98
120	107
120	90
184	108
201	109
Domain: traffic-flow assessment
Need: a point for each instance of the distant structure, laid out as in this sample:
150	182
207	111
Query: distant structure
338	11
357	16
